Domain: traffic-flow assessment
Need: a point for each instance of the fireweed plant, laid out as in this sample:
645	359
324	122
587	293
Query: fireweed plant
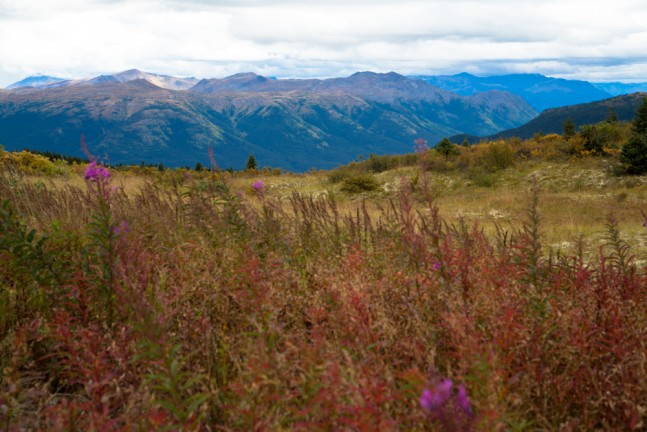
186	306
103	232
450	408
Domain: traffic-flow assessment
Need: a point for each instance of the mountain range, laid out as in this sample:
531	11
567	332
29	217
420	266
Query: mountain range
163	81
539	91
294	124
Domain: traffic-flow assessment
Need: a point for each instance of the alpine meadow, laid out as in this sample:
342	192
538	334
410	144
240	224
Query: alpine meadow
498	286
323	215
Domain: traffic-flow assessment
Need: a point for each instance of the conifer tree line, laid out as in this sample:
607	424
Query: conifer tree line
634	153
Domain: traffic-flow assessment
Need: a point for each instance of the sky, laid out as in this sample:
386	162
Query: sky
593	40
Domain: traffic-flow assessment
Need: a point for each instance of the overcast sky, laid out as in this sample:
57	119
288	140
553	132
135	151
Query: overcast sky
578	39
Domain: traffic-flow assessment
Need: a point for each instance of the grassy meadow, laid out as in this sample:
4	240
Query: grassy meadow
500	286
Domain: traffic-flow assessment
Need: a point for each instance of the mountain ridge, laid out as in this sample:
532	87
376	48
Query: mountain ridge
164	81
292	126
552	120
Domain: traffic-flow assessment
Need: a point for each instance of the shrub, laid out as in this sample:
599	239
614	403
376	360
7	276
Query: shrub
378	164
343	172
484	179
30	163
359	183
601	136
499	155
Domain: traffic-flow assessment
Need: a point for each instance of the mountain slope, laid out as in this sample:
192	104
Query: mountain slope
474	114
552	121
163	81
36	82
540	91
297	124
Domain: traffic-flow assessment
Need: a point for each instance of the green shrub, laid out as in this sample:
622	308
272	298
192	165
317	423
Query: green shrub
499	156
359	183
600	136
30	163
484	179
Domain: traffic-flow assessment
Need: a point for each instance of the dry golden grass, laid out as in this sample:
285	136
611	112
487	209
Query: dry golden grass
577	197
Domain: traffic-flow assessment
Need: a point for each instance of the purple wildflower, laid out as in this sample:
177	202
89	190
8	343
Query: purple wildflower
444	389
121	228
463	400
96	172
450	409
427	400
259	185
433	400
436	265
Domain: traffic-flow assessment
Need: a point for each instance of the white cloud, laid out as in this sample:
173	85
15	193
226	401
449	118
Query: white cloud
204	38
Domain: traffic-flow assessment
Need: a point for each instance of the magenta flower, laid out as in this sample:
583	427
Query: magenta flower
463	400
121	228
259	185
451	409
436	265
96	172
432	400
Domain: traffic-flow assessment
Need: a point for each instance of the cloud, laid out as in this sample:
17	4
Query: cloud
296	38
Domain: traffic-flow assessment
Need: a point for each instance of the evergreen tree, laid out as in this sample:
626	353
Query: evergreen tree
251	163
634	153
569	129
640	122
198	167
446	147
612	117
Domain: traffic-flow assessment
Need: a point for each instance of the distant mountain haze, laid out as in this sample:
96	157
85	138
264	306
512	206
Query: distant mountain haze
618	88
295	124
36	82
539	91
